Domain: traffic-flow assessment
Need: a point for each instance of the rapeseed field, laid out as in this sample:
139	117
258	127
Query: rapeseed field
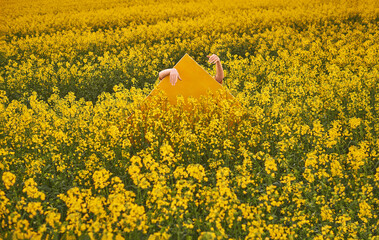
294	156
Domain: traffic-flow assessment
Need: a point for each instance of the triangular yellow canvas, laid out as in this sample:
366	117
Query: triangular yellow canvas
195	82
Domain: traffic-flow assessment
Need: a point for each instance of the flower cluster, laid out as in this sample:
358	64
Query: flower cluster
8	179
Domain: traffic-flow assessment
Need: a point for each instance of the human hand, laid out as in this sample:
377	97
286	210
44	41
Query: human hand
213	58
174	76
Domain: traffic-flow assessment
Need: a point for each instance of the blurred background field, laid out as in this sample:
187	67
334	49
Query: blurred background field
299	159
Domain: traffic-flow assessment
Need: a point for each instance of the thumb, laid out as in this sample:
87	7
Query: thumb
208	56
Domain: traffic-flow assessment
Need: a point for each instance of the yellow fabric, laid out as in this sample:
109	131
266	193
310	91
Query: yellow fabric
195	82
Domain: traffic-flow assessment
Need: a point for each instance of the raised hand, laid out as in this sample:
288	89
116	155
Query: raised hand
213	58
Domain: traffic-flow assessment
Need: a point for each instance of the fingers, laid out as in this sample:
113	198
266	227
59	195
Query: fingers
174	76
213	59
174	79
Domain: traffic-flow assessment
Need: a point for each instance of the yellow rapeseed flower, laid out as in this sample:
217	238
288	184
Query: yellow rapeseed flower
8	179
